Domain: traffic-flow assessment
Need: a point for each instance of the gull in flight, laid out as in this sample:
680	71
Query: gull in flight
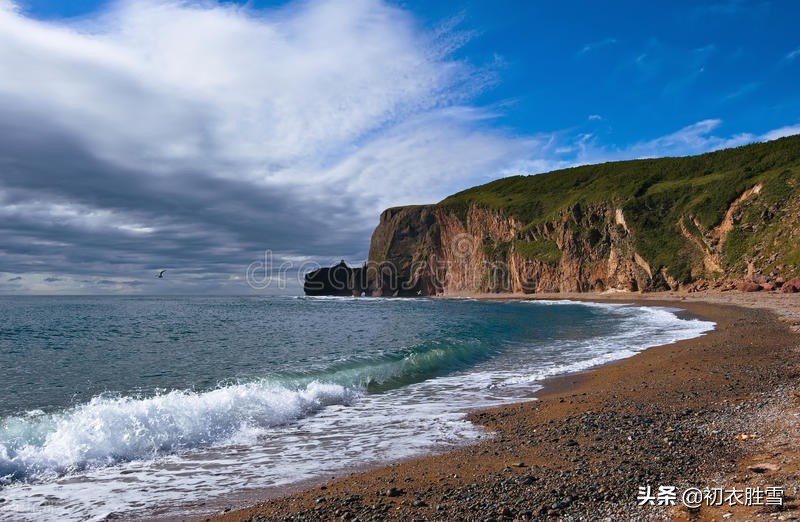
161	274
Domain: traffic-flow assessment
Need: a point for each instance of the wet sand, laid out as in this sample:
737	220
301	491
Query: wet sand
721	410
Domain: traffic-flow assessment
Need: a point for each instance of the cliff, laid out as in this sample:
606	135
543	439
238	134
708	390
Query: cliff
672	223
338	280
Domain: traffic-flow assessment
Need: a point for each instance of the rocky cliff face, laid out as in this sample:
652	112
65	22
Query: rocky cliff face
715	220
429	250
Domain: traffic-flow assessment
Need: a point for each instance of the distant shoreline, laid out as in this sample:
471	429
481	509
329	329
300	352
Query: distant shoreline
683	404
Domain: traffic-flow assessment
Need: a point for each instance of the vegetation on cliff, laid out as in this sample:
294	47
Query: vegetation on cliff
639	225
656	196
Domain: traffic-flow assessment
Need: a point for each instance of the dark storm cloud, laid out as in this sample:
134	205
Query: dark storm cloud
196	136
198	222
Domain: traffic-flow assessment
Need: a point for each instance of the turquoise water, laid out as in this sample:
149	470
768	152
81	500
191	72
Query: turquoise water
62	351
97	391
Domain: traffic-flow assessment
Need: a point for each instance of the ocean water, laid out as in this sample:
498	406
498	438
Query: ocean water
135	405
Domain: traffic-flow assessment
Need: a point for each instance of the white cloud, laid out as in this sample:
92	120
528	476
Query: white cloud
333	109
782	132
8	5
692	139
793	54
420	157
177	82
593	46
742	91
563	150
699	138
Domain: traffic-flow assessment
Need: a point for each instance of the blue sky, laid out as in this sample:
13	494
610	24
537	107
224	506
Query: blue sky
645	69
196	136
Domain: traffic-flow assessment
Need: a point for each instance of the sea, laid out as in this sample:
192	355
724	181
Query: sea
144	407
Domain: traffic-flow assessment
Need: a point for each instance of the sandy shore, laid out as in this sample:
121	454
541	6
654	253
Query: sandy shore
719	411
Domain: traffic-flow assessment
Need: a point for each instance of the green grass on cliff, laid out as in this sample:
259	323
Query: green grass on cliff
544	250
655	194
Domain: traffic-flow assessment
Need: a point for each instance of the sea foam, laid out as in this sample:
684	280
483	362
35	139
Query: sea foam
107	430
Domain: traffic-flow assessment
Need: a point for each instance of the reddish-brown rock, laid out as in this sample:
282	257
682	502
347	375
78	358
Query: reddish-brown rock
438	250
792	286
748	286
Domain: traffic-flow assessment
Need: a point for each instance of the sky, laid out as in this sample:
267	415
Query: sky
237	144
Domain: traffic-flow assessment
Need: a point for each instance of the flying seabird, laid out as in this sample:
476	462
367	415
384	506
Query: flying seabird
161	274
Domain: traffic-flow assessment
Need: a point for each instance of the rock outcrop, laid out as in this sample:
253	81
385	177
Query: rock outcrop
338	280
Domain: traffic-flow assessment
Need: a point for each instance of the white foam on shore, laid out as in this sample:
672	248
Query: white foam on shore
128	456
640	328
107	430
373	429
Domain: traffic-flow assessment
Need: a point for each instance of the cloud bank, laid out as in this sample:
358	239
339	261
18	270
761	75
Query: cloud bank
194	136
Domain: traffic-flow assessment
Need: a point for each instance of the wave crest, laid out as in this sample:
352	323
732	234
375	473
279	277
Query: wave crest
108	430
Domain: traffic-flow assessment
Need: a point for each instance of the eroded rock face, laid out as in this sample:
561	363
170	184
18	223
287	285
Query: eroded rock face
465	247
714	221
430	250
